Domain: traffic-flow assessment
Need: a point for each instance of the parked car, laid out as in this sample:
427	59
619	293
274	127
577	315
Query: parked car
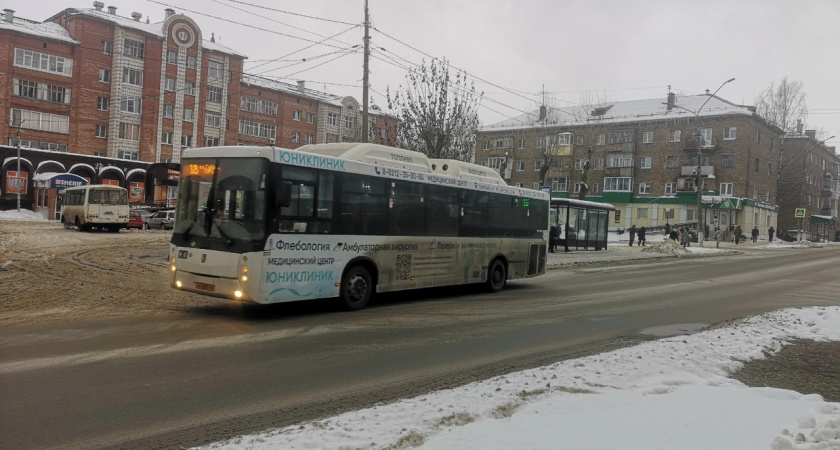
164	220
137	218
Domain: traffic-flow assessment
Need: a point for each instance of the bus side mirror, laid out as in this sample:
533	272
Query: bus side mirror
283	194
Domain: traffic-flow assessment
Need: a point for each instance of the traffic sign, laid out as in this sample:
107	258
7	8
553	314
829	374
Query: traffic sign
545	188
800	213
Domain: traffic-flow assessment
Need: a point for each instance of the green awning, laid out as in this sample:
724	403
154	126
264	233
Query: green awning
823	219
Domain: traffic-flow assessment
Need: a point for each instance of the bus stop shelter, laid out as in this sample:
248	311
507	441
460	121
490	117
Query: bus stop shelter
582	225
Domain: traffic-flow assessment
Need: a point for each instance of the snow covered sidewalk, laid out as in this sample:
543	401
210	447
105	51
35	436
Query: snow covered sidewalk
670	393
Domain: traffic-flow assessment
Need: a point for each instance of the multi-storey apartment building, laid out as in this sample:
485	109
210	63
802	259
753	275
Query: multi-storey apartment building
809	182
642	156
102	96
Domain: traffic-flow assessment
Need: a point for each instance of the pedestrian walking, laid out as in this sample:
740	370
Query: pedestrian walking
738	233
754	234
717	237
553	237
674	235
686	238
632	231
642	232
770	233
667	229
706	231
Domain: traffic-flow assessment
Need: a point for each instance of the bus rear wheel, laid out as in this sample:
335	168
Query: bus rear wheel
356	288
496	276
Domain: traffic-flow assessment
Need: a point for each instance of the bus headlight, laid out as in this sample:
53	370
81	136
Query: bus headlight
173	268
178	283
237	294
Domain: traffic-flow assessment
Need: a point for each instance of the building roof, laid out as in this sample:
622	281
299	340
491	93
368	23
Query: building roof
48	30
626	111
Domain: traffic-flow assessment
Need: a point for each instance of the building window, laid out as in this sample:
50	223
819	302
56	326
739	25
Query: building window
769	168
669	214
258	106
43	62
26	88
647	137
215	69
168	84
560	184
41	91
485	145
674	136
579	140
190	62
520	165
104	75
670	188
601	139
537	166
210	141
332	118
295	137
102	131
579	164
646	162
131	105
348	122
186	140
214	94
102	103
168	112
296	116
53	147
521	144
132	155
310	117
730	133
188	115
134	49
34	120
257	129
598	164
171	57
620	136
617	216
672	162
644	188
189	88
384	133
309	139
107	47
129	132
213	119
726	189
166	137
642	213
133	76
758	136
727	160
576	188
619	160
618	184
757	163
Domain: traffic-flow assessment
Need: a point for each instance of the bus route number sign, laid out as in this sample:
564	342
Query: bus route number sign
201	169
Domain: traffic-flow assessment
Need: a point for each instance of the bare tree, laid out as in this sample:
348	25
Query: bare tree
437	113
594	108
783	105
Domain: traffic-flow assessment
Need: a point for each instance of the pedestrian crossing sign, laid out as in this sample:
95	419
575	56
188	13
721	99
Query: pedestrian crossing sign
800	213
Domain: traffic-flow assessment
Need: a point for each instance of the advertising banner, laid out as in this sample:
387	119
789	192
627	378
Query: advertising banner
17	184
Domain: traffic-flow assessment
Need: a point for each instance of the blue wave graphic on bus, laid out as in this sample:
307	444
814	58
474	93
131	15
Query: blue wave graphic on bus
295	292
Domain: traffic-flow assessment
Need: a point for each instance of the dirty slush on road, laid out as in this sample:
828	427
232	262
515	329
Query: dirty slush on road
49	274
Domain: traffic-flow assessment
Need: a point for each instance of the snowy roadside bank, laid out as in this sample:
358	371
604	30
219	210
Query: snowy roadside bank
670	393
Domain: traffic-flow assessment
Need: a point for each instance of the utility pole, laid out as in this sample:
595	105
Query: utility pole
19	178
365	76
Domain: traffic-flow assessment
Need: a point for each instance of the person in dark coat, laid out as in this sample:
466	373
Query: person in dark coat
667	229
553	237
738	233
754	234
674	236
770	233
632	231
642	232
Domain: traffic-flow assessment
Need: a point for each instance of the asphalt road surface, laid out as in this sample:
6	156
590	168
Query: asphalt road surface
207	373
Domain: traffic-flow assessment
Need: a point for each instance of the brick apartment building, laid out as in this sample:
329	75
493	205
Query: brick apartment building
809	181
642	157
102	96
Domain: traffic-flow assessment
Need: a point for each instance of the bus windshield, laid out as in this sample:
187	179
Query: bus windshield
222	198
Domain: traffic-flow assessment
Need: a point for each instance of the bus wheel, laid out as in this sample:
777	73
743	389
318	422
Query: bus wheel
356	288
496	276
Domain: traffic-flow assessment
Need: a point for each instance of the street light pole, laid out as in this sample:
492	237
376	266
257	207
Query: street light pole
18	162
700	140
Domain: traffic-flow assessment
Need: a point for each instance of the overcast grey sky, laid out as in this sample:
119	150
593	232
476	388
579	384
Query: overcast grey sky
625	49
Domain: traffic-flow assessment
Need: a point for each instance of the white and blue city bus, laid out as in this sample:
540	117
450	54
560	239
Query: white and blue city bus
268	225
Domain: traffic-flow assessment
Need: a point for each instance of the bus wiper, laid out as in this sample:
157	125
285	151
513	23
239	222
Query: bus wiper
224	235
194	221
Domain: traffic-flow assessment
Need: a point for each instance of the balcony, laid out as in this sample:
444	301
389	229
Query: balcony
692	144
559	150
691	171
624	147
618	172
